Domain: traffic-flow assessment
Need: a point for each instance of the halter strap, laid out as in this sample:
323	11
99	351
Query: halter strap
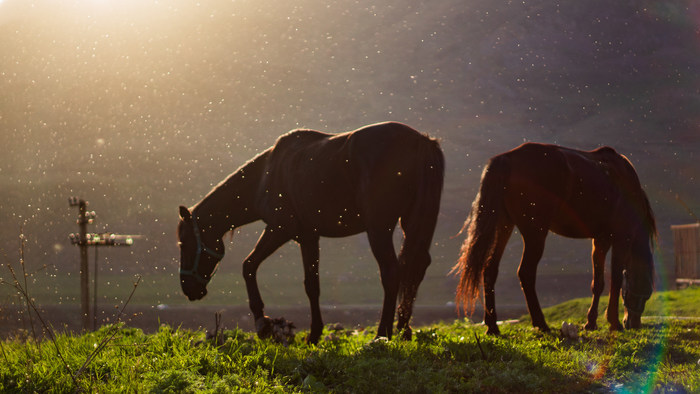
194	271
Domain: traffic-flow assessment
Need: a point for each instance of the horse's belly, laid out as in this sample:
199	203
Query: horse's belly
340	224
571	231
340	231
569	223
332	220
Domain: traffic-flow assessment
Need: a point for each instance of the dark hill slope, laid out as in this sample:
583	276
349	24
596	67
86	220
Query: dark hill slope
139	107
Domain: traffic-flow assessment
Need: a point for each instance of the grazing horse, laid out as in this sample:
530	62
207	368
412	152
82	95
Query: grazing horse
312	184
577	194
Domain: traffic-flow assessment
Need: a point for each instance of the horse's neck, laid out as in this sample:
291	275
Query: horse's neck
232	202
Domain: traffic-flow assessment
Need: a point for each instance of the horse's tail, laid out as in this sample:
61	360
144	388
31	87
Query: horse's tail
421	219
482	229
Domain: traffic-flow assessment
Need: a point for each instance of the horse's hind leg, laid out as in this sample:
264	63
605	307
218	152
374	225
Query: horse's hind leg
527	273
600	249
413	264
490	275
310	256
383	249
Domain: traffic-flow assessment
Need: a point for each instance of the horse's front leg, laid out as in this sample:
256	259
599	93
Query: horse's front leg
613	311
268	242
310	257
600	249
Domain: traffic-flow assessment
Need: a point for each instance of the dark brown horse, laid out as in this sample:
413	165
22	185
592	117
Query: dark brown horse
312	184
577	194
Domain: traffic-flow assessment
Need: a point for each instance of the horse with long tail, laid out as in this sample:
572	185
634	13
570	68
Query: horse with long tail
310	185
578	194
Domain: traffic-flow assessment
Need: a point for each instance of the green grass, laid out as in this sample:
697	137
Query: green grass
683	303
663	356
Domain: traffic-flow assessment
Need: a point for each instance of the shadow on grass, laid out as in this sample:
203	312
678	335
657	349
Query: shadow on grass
432	362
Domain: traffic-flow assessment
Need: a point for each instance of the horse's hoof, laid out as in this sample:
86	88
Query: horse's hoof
384	334
406	333
313	337
312	340
590	326
632	322
493	331
263	326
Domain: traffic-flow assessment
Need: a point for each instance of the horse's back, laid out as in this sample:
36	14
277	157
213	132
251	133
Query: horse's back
298	139
574	192
329	182
389	146
548	160
385	132
366	142
542	165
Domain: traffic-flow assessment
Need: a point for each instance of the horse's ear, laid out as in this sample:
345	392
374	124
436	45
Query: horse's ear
185	213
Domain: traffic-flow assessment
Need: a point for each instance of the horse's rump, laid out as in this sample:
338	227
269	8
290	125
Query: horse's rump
577	194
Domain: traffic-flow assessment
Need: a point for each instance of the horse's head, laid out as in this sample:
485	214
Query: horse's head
638	279
199	255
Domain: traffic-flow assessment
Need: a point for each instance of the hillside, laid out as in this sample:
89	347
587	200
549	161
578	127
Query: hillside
139	107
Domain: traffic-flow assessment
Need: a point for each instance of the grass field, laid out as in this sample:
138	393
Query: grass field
663	356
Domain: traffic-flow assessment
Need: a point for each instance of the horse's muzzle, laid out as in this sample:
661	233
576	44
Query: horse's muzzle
193	289
197	296
634	307
632	320
633	315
